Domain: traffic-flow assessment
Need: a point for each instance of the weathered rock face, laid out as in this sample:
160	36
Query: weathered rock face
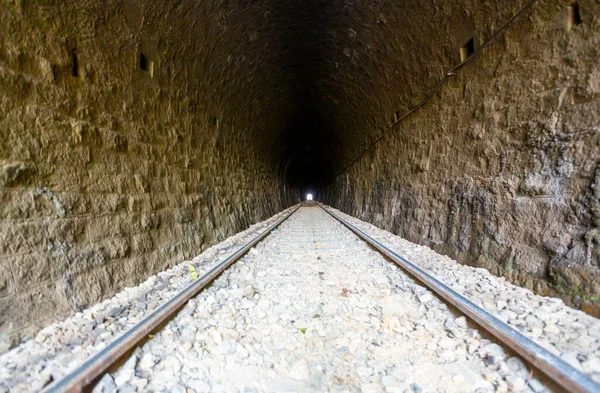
500	168
134	133
122	148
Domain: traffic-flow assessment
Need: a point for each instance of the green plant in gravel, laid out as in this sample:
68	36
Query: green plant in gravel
193	272
303	330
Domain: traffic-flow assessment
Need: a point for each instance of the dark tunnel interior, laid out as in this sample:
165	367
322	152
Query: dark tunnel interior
136	133
307	163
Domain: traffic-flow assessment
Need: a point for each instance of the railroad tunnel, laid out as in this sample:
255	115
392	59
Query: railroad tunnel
135	134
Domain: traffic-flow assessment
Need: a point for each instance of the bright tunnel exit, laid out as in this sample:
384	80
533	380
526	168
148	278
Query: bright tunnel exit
309	197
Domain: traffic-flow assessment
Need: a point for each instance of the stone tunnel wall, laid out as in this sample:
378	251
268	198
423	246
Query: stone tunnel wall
119	151
501	167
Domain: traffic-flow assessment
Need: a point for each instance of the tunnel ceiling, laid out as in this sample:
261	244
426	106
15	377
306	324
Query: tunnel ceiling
309	84
324	83
329	75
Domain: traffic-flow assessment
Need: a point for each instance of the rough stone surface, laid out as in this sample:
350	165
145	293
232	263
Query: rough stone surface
109	172
500	168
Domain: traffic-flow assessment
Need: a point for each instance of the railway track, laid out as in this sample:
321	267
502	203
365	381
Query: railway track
560	372
563	375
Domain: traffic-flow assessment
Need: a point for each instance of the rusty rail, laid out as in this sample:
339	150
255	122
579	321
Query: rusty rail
560	372
80	378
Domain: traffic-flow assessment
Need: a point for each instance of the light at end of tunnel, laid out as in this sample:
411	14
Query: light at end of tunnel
309	197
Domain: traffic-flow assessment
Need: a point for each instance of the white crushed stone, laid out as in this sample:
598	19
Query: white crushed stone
62	346
324	313
566	332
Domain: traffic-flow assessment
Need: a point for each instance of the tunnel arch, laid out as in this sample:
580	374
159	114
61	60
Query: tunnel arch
113	168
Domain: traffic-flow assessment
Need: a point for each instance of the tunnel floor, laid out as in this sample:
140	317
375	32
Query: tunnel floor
312	308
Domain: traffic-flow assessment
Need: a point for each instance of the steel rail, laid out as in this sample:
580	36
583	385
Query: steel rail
552	366
94	367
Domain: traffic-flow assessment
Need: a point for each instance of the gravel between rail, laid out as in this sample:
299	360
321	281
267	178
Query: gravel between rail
62	346
312	308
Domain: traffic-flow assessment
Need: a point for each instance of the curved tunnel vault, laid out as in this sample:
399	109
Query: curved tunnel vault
308	145
136	133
